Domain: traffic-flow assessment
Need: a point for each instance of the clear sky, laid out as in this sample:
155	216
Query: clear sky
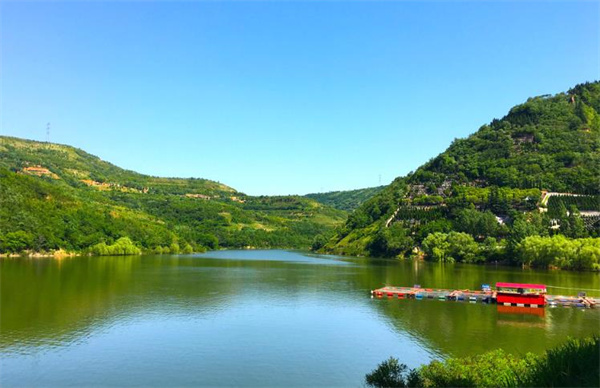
279	97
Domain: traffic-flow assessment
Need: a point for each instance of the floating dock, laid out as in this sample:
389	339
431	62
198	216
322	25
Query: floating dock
483	296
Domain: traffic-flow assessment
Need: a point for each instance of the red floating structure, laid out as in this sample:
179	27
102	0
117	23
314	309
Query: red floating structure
521	294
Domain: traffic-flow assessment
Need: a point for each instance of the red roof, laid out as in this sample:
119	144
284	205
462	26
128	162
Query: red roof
520	285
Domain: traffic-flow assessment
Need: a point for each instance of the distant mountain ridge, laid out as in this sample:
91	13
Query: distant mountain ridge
59	197
347	200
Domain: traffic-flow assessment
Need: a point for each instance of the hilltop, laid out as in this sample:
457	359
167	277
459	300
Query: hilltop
486	194
55	196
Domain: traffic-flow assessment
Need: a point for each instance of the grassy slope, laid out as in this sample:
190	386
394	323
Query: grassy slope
80	200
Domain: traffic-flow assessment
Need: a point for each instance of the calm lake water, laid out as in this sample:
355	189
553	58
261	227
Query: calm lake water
254	318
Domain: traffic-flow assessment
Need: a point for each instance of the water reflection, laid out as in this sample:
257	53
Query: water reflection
192	314
520	311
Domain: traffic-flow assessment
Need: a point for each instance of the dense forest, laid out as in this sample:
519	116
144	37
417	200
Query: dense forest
59	197
523	189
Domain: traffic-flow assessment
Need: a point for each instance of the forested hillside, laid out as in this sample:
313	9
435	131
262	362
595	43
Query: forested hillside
345	200
54	196
504	193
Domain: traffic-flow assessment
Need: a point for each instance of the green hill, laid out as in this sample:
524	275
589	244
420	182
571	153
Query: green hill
55	196
481	198
345	200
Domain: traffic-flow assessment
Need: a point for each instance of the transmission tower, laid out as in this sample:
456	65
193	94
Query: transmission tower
48	133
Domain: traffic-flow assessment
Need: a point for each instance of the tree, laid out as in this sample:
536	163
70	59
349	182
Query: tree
174	248
318	242
462	247
441	225
187	249
436	247
16	241
392	374
576	225
524	226
121	247
477	223
497	202
390	241
491	250
588	255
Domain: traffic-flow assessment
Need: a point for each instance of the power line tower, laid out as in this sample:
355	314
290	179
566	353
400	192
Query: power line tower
48	133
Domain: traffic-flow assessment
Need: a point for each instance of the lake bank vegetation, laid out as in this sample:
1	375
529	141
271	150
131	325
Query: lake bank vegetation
576	363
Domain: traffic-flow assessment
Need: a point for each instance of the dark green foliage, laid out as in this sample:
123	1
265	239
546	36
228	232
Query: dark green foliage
318	242
413	213
437	226
451	247
588	202
392	374
390	241
491	369
15	242
345	200
572	225
531	224
575	363
476	223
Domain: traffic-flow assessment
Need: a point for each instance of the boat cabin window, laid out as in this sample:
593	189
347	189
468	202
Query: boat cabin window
521	290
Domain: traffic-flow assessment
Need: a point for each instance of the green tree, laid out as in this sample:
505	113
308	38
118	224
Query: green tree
436	247
476	223
576	225
524	226
393	374
187	249
318	242
174	248
390	241
14	242
121	247
462	247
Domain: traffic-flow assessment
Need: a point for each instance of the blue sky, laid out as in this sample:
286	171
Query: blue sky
282	97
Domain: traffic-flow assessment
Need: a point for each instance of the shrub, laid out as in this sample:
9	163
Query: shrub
391	373
575	363
121	247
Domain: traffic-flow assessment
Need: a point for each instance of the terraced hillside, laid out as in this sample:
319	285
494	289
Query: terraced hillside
55	196
347	200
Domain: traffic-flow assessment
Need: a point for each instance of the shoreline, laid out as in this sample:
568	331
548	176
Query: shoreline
60	254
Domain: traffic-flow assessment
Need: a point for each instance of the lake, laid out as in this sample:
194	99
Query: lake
255	318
